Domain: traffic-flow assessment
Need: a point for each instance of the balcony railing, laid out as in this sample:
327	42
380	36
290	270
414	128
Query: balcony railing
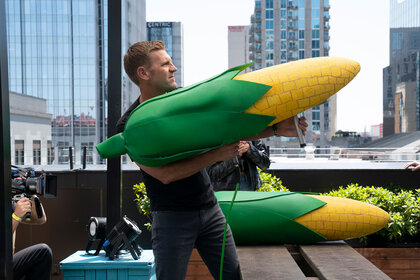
292	18
292	6
359	154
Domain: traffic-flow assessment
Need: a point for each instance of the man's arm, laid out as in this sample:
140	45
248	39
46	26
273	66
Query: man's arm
184	168
23	206
414	164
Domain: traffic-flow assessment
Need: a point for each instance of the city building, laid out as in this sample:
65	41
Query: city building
287	30
134	19
30	131
238	46
57	51
171	33
401	79
376	131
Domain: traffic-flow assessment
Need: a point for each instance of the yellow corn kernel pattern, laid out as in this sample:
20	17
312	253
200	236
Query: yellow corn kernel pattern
299	85
343	218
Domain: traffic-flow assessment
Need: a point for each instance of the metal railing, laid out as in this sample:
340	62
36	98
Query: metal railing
372	154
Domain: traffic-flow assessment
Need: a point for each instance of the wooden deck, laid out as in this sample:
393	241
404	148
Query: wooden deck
330	260
322	261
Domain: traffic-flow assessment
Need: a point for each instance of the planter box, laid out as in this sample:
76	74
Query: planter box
397	263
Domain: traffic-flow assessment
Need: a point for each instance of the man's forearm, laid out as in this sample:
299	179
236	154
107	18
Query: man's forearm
181	169
267	132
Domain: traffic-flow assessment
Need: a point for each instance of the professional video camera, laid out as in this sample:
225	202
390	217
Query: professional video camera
26	184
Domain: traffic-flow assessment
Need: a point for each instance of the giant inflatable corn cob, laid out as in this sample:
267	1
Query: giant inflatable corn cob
225	108
287	217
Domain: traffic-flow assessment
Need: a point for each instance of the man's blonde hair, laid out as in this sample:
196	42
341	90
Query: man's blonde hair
138	55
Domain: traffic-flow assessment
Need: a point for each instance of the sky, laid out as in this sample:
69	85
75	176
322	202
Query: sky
359	31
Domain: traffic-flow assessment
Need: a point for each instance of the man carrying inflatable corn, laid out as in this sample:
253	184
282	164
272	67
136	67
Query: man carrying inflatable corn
184	208
174	134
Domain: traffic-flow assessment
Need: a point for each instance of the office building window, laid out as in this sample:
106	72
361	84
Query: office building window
269	55
283	4
301	44
36	152
315	115
283	55
283	34
301	34
283	24
301	54
316	126
283	44
19	152
269	63
50	153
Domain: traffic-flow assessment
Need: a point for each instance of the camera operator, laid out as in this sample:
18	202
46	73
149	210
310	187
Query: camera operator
33	262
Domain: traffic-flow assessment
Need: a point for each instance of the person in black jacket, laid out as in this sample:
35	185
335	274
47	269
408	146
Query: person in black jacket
225	175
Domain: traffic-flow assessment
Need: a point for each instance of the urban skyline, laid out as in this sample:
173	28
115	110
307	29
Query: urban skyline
365	40
86	119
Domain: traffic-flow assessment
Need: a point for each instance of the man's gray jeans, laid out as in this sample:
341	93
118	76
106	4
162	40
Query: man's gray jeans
176	233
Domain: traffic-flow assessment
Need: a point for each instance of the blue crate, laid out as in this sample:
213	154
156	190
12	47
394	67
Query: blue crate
80	266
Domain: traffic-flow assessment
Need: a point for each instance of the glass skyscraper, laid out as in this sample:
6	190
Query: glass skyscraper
404	13
288	30
401	79
171	33
57	50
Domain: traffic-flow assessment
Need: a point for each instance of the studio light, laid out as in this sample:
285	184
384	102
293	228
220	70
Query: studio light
123	236
96	229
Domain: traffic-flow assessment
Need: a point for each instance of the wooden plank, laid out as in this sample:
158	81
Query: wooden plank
410	275
397	263
389	253
268	262
337	260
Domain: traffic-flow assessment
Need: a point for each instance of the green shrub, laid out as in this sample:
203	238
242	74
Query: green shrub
271	183
401	205
143	203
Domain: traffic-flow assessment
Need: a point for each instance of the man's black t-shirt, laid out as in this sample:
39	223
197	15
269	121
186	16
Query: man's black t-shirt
192	193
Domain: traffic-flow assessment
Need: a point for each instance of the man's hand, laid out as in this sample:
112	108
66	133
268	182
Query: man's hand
226	152
414	164
287	127
243	147
22	207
